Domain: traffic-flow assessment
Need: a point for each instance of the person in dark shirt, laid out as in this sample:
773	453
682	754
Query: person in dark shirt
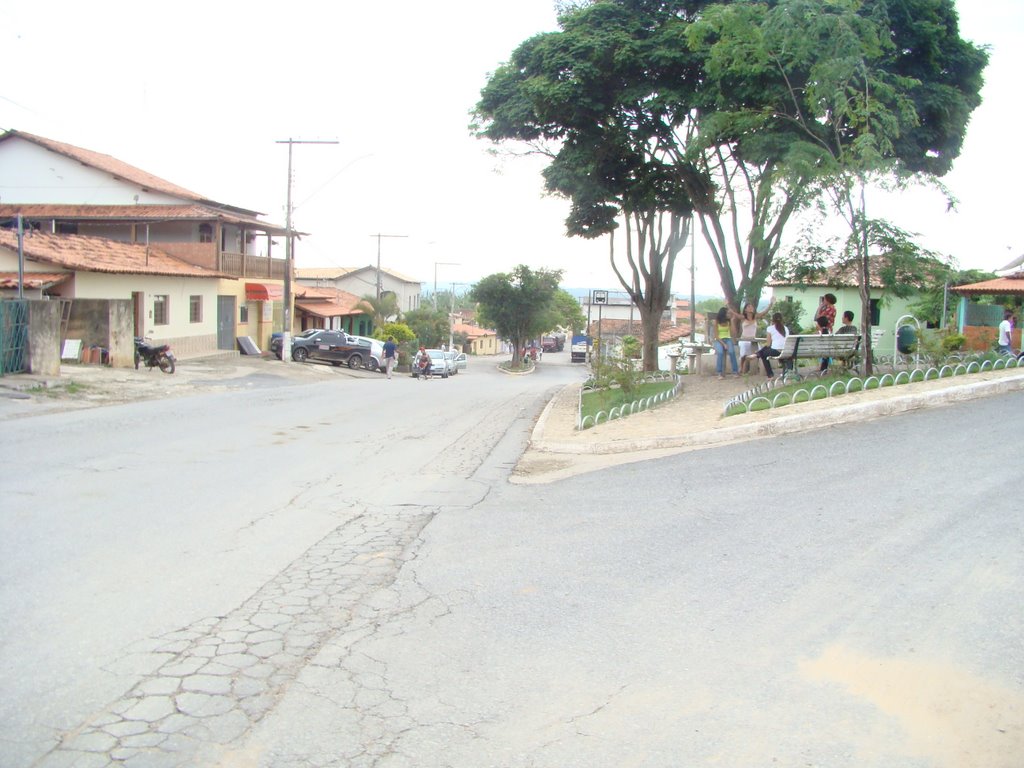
847	326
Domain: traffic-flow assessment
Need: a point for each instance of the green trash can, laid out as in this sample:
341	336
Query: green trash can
906	339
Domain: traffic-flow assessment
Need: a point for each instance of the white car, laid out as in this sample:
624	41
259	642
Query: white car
440	364
456	361
376	359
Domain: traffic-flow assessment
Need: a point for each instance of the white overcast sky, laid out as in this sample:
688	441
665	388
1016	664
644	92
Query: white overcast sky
198	94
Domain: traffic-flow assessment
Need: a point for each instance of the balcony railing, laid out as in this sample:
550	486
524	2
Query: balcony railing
241	265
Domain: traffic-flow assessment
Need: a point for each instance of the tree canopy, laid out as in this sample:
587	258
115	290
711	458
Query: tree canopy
737	112
517	304
430	325
849	87
566	313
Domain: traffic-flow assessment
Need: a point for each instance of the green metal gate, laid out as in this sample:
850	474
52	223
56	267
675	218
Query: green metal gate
13	336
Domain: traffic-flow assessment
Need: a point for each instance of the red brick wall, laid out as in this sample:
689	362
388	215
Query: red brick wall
981	338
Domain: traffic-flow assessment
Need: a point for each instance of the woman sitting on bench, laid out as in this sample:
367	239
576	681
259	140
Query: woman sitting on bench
777	333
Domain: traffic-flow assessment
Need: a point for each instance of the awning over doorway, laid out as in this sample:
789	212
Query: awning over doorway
263	292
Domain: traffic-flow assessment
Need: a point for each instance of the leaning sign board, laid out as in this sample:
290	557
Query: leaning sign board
72	349
247	345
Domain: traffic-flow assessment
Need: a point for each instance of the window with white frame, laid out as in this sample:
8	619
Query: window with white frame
195	309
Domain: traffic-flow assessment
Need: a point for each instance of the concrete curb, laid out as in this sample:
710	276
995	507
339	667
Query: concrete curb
780	425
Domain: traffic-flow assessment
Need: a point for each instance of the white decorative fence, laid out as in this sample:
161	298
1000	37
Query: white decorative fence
759	398
626	409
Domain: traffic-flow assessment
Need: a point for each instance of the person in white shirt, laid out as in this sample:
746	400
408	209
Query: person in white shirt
777	333
1005	332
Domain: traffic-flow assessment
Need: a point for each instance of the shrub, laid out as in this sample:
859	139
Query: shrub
954	342
631	347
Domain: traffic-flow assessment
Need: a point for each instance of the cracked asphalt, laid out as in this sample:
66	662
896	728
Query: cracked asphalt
278	582
214	680
287	617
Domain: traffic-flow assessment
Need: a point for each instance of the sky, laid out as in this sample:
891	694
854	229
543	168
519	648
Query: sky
202	97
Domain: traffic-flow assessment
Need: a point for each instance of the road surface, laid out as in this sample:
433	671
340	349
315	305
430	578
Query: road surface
339	575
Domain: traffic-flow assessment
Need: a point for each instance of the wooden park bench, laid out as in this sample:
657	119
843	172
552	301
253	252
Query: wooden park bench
844	347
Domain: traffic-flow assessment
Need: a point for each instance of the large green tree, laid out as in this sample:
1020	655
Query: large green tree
430	325
566	313
872	91
654	110
517	304
600	99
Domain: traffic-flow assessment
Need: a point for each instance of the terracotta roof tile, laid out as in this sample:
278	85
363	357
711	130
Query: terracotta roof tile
33	279
841	276
97	254
472	331
1010	284
613	327
127	213
327	302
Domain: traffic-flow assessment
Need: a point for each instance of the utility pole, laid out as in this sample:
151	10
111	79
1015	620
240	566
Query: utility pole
441	264
693	281
286	338
21	258
379	236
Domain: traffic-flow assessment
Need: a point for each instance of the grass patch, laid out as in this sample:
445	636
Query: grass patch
806	390
61	390
596	400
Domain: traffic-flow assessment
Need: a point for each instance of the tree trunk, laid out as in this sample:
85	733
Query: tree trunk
650	321
865	285
517	360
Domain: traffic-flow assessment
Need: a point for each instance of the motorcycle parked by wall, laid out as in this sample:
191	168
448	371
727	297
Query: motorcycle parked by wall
154	355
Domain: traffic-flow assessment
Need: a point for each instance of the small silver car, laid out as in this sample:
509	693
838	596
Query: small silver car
440	364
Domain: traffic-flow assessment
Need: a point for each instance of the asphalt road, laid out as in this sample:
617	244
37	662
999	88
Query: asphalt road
339	574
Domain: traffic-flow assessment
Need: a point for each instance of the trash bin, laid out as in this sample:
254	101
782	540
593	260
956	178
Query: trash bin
906	339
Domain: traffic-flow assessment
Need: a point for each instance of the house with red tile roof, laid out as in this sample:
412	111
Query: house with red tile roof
331	308
119	211
842	282
979	323
363	281
480	341
183	296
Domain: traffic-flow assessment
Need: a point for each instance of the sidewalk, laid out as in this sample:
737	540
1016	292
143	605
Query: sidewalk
694	420
87	386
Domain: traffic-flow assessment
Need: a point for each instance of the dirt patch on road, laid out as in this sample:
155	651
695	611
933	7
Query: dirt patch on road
949	716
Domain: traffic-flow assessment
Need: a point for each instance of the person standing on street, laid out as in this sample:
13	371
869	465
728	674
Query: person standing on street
390	355
1005	333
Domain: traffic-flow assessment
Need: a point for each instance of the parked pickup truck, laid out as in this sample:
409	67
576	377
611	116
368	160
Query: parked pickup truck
555	343
335	347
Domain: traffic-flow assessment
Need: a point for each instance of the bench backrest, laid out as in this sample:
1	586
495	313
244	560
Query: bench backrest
814	345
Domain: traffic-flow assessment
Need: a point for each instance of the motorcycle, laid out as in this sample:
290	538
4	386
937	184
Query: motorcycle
154	355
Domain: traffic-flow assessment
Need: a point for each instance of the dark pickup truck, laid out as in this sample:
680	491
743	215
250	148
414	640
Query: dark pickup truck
335	347
554	343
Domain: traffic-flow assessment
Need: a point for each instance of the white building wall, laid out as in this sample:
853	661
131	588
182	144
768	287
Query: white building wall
95	285
32	174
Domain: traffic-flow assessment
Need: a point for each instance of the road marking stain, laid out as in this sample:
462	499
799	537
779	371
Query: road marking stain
951	717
